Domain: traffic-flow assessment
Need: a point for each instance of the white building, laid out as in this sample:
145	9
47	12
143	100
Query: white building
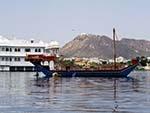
118	60
96	60
53	48
13	52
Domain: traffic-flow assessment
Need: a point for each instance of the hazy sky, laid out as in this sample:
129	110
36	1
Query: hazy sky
62	20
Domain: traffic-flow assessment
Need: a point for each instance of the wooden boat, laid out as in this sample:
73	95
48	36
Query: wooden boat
115	72
84	73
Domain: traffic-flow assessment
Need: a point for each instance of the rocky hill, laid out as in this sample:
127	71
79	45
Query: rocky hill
88	45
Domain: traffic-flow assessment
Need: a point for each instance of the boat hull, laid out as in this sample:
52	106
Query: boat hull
85	73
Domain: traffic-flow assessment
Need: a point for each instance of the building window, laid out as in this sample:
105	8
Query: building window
27	50
6	59
10	50
3	58
39	50
17	49
17	59
7	49
35	50
3	49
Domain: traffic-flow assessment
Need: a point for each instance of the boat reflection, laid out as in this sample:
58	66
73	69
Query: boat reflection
115	109
20	93
88	94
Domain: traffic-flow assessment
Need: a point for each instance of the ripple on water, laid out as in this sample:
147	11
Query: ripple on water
19	93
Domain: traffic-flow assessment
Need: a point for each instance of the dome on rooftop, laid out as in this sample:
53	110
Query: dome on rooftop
53	44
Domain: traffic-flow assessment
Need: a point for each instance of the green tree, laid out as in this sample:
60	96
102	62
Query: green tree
143	61
94	65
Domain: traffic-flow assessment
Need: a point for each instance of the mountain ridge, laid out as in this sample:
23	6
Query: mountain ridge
101	46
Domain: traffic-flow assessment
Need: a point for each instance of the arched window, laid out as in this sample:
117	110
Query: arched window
35	50
7	49
18	49
15	49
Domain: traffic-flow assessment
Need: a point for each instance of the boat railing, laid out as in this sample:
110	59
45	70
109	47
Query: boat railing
39	57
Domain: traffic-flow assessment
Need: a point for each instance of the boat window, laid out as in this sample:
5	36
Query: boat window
39	50
27	50
10	59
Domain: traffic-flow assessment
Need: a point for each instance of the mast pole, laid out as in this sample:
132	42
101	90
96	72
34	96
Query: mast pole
114	47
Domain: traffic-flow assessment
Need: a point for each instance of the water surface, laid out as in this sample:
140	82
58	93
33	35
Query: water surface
20	93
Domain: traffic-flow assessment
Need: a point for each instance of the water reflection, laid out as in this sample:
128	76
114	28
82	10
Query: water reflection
56	86
20	93
115	109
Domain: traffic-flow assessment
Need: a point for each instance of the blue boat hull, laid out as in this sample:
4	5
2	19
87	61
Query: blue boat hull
85	73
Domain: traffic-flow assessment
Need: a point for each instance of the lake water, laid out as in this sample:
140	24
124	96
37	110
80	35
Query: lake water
20	93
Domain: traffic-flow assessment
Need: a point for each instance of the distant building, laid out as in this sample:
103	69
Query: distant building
14	51
118	60
95	60
53	48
